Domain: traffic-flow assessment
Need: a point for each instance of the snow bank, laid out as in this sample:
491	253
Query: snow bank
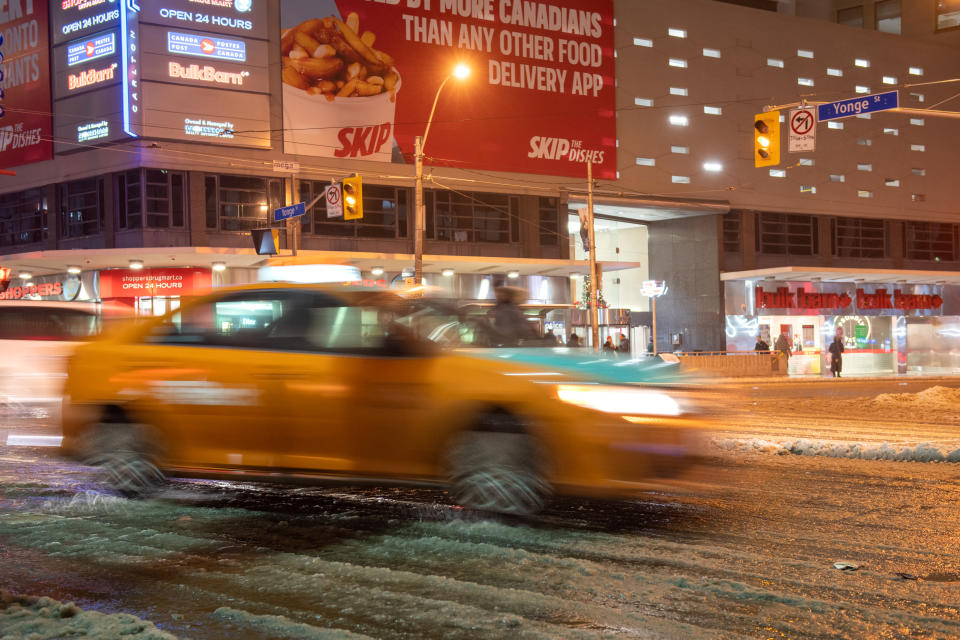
924	452
934	398
281	626
40	618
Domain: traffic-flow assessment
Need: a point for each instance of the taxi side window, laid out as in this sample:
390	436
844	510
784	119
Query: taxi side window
255	320
347	329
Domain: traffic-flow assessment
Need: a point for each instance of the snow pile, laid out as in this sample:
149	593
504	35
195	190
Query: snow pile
924	452
40	618
934	398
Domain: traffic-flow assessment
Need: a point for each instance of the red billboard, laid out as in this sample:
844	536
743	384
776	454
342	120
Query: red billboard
26	127
133	283
360	79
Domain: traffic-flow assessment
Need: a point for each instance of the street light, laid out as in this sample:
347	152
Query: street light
461	71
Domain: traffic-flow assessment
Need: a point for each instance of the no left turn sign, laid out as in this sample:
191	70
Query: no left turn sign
803	130
334	198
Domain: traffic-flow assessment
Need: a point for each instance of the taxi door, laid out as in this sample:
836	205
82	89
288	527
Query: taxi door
212	374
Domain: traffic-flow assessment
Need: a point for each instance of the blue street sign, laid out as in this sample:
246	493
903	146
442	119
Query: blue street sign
292	211
856	106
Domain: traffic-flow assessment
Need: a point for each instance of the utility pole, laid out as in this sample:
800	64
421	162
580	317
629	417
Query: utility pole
419	216
594	285
294	223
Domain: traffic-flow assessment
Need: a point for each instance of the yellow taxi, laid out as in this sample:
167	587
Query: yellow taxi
311	383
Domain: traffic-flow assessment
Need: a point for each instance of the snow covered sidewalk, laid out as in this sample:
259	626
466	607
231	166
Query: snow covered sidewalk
40	618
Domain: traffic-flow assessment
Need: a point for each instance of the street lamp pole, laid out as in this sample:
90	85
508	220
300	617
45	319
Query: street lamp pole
461	71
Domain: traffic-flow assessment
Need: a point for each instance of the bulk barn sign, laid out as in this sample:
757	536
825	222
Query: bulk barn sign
828	303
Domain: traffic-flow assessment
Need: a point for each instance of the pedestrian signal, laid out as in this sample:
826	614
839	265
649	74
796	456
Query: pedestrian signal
352	198
766	139
266	241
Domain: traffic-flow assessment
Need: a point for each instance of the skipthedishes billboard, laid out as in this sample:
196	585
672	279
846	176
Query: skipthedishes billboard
26	129
360	79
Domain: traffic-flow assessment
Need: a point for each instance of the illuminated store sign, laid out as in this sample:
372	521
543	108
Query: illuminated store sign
208	128
81	5
73	18
206	73
783	298
240	17
98	47
203	46
45	289
93	131
130	36
90	77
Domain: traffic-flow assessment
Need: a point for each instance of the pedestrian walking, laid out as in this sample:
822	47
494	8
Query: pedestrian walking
549	337
650	346
761	345
624	345
782	345
836	356
609	347
573	340
508	319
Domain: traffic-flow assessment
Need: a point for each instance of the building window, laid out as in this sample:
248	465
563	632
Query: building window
23	218
859	238
888	16
930	241
241	203
474	217
81	208
384	213
851	17
549	221
732	229
129	198
787	234
837	73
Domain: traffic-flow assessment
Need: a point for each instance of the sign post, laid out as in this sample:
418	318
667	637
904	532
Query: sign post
653	289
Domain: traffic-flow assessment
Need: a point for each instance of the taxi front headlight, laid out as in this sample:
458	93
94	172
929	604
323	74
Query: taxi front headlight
619	400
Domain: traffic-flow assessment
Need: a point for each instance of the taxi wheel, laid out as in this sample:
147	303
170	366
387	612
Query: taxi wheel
498	472
122	452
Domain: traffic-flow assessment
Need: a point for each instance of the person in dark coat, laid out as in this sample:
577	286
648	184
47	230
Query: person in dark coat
573	340
508	318
836	356
783	346
761	345
650	346
624	345
609	347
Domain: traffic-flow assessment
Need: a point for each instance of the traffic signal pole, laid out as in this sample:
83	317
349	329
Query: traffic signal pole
594	285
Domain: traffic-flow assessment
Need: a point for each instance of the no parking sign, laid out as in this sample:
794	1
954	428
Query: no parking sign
803	130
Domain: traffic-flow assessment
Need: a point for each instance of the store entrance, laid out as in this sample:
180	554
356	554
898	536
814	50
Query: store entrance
151	306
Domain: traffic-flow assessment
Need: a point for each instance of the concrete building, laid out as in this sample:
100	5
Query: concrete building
871	208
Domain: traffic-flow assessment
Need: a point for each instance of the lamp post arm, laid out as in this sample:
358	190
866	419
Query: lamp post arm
436	99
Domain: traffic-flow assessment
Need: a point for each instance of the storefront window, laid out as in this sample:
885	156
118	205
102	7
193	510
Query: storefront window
384	213
859	238
930	241
241	203
787	234
549	221
81	208
476	217
23	218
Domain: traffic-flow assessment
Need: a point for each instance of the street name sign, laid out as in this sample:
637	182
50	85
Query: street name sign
292	211
857	106
802	131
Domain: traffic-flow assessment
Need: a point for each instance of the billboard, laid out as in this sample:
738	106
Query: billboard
360	79
26	128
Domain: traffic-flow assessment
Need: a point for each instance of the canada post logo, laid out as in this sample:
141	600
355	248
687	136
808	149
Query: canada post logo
206	46
87	50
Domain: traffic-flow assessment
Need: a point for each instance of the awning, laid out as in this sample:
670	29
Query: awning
647	208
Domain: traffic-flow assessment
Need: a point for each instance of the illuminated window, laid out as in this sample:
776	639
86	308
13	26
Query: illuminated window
804	53
918	172
833	124
807	189
917	147
678	62
778	173
775	62
837	177
892	182
712	167
805	162
864	167
642	42
679	121
713	111
643	102
917	122
864	116
860	62
891	131
837	73
711	53
919	97
861	89
889	80
681	150
678	91
864	142
916	71
646	162
680	179
806	82
863	193
888	16
677	33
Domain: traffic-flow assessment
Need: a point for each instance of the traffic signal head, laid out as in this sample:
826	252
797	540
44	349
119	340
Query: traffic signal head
766	139
352	198
266	241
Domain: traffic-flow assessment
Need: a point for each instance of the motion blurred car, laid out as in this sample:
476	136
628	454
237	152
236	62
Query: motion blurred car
36	338
311	383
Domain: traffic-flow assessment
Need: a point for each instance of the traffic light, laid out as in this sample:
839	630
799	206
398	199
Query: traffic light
766	139
266	241
352	198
